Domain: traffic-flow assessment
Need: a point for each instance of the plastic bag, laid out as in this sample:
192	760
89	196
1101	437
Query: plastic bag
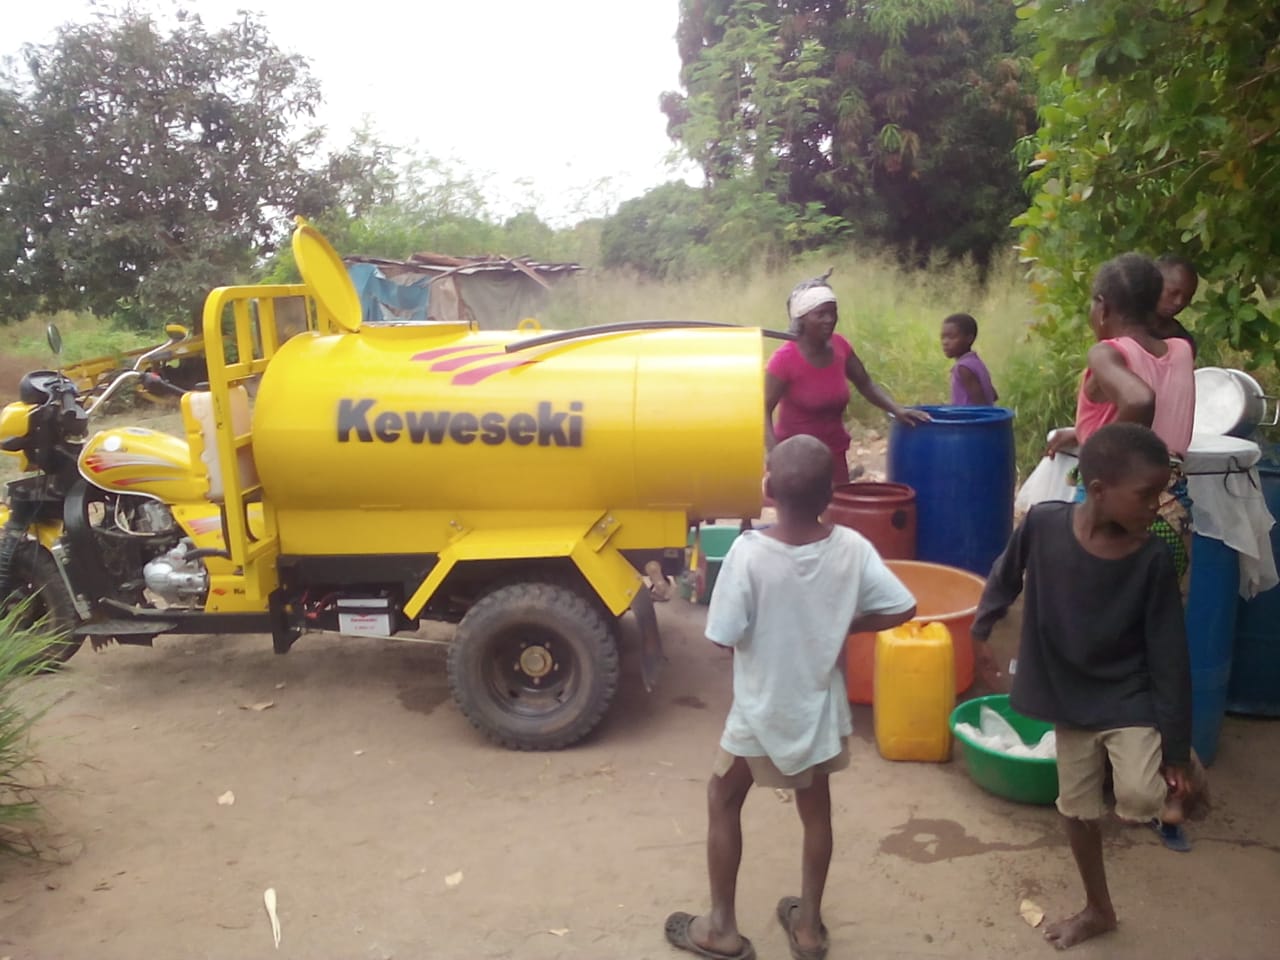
996	733
1048	481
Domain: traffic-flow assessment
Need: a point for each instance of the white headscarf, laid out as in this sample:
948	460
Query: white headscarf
808	296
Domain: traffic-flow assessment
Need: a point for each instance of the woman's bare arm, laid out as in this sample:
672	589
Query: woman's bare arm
874	393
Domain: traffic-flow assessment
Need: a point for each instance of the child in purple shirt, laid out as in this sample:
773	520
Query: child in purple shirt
970	382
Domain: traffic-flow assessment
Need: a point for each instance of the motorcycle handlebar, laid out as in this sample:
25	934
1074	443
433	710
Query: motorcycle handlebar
151	382
157	385
111	390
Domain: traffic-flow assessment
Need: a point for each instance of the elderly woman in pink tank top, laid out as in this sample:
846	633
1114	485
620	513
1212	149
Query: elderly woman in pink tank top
1134	376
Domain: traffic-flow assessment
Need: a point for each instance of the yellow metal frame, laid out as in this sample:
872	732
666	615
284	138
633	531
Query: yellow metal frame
253	544
607	572
47	533
251	523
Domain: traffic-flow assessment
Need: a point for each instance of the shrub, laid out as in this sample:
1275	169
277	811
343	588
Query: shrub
22	646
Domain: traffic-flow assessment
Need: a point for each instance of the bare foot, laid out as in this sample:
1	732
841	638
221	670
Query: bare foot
1089	922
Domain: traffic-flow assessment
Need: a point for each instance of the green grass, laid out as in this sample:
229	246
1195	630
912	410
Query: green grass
83	336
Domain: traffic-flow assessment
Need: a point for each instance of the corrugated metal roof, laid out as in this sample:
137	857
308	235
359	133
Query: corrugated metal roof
440	264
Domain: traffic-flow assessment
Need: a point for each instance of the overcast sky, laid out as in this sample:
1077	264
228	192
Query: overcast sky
559	94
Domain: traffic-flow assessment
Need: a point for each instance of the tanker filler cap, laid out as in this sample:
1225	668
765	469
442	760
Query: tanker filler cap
324	272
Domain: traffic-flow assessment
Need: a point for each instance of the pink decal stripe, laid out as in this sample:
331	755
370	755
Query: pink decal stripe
444	366
468	377
440	352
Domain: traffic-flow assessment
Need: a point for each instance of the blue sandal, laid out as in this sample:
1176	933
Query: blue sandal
1171	835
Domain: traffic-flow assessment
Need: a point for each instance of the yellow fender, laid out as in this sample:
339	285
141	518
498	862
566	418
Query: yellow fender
614	580
46	534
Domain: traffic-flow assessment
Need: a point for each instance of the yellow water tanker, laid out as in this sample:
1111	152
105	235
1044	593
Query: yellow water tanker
393	432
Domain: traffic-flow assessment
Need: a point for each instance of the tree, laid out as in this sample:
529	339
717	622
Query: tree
1160	133
352	182
140	167
897	116
657	234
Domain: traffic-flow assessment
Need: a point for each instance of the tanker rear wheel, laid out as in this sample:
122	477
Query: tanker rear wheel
534	666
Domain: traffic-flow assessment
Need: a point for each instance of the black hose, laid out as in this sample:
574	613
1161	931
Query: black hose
158	386
202	552
630	326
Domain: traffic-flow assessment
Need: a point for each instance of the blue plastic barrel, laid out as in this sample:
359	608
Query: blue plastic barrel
1212	602
1255	667
961	466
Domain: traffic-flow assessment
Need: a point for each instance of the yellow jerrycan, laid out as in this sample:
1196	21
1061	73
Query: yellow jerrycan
915	686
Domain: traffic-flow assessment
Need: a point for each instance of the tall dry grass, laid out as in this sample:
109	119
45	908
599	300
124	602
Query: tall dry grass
891	316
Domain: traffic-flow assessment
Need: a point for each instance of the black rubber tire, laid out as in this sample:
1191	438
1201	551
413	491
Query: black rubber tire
569	644
35	574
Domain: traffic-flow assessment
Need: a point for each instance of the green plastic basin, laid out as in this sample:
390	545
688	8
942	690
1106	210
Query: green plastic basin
1023	779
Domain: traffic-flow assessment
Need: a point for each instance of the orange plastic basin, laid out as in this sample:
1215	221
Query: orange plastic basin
944	594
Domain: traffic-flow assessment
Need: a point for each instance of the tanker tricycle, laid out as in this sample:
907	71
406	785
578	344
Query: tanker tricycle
360	478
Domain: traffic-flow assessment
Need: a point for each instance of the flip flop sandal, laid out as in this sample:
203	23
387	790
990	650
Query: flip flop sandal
785	907
1171	835
677	931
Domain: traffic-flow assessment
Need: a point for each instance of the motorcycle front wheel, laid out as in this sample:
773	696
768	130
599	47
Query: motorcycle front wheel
48	607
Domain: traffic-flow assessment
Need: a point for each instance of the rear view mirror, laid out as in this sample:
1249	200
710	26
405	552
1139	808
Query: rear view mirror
54	336
176	331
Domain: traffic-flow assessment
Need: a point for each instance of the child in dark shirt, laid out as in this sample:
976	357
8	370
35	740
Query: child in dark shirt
1103	653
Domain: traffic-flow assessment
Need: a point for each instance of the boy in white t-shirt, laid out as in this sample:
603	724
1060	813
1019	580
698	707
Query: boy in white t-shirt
785	601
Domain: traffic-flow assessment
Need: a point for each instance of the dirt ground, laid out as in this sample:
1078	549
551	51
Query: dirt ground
389	828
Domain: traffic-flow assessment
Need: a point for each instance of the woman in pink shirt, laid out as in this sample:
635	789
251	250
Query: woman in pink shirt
807	379
1134	376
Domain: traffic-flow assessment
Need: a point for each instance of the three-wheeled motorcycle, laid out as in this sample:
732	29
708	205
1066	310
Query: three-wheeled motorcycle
341	476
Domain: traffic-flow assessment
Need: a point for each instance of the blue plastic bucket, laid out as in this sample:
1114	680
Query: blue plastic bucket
961	466
1254	688
1212	602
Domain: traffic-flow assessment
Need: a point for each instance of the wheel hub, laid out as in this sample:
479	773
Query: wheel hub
536	661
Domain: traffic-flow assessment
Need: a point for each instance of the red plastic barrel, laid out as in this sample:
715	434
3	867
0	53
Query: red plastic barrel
884	513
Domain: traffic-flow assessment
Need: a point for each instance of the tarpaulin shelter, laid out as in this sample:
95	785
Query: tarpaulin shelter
383	300
493	292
